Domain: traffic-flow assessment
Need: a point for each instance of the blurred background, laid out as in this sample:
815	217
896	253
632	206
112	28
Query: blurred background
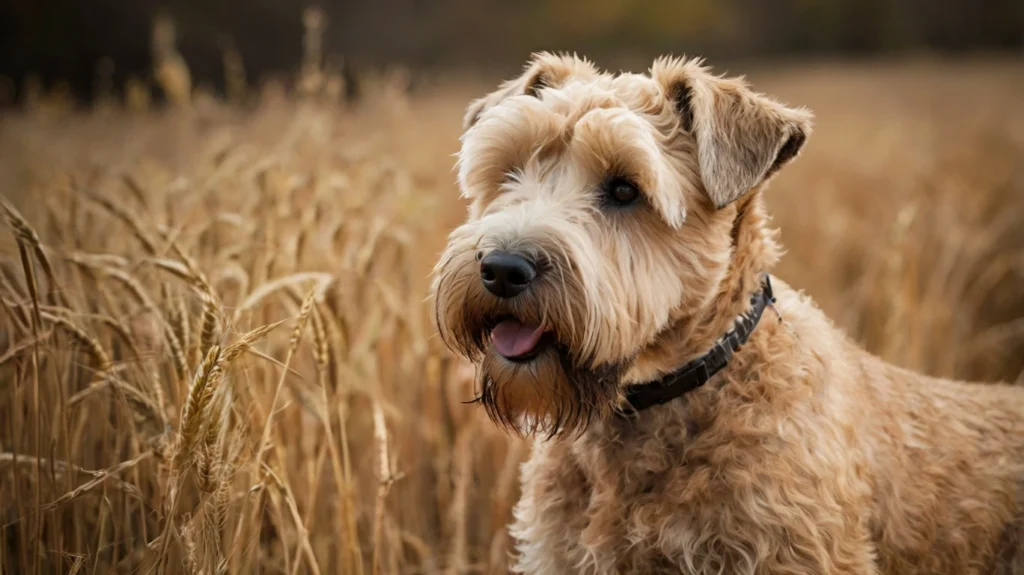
219	219
65	39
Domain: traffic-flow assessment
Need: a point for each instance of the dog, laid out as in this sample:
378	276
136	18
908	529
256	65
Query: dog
692	413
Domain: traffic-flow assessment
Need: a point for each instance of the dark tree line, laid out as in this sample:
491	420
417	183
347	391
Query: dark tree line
65	38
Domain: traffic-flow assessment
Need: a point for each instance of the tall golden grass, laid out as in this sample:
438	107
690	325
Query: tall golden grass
216	353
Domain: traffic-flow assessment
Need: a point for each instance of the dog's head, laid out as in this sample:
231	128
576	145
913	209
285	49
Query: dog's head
602	215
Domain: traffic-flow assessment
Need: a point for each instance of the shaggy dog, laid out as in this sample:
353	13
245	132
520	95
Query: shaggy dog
695	415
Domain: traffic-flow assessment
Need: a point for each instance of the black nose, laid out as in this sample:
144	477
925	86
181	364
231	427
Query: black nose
505	274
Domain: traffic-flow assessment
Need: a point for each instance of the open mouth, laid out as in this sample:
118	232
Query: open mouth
517	341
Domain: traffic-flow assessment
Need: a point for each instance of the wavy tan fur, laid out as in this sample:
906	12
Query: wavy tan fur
805	455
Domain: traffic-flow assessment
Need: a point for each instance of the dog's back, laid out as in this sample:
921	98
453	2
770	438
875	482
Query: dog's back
949	467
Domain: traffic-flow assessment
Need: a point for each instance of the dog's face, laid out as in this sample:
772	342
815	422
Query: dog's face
596	223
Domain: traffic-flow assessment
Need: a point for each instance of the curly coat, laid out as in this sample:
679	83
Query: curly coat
805	455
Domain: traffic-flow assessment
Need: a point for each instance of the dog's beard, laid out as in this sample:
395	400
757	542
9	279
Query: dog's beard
547	395
556	392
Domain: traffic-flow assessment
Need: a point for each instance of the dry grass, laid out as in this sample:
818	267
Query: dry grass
216	354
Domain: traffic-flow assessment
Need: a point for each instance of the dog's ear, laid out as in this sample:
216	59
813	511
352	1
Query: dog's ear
742	137
544	70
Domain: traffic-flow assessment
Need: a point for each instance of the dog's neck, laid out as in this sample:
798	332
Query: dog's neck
674	427
754	253
696	373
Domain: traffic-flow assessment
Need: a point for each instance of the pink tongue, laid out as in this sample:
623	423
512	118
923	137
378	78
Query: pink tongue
513	339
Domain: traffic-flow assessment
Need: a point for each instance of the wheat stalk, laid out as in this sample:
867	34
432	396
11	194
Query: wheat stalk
257	296
64	467
30	282
385	479
90	343
296	337
177	353
127	217
199	395
293	510
246	342
16	350
25	233
96	261
143	299
210	330
144	406
99	478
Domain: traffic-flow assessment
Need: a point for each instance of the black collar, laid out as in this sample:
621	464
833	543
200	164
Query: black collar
699	371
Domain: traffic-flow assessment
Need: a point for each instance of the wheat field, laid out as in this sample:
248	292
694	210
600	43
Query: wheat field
216	353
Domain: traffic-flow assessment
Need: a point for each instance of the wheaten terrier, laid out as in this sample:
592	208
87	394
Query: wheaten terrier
611	285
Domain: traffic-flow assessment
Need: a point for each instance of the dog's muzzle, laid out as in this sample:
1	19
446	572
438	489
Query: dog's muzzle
506	274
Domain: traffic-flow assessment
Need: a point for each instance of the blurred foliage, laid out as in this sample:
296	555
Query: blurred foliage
66	38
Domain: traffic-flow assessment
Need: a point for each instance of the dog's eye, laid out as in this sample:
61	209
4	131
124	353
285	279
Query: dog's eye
621	192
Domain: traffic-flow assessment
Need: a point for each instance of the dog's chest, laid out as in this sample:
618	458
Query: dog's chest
681	495
621	503
674	499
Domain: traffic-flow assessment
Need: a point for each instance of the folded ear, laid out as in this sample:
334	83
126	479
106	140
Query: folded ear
544	70
742	137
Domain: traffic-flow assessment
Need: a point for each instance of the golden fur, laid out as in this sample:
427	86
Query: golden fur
805	455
